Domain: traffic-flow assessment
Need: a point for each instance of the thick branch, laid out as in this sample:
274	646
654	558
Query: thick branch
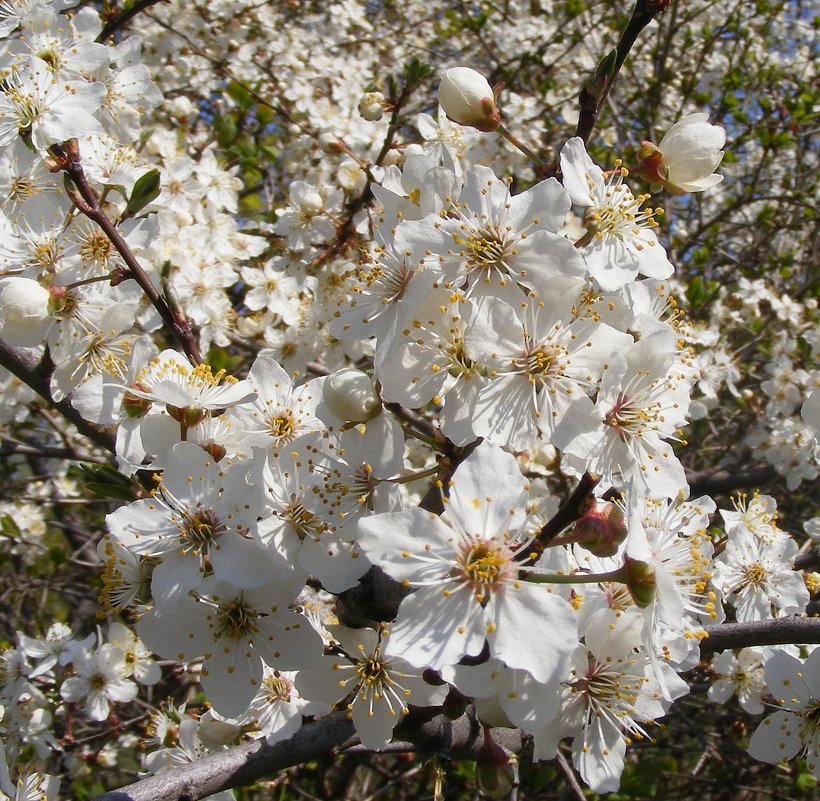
246	763
784	630
35	370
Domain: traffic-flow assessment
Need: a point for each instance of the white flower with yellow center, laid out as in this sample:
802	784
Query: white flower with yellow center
235	632
36	105
611	693
488	239
756	576
642	402
621	240
796	727
200	519
469	588
375	689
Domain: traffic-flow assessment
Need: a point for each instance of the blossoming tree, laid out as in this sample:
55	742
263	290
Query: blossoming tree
432	377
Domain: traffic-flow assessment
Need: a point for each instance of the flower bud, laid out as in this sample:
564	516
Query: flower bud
351	396
307	199
467	98
351	176
371	106
640	581
686	158
601	530
495	772
189	416
24	311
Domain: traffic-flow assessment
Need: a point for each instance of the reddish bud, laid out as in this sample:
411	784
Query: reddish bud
601	530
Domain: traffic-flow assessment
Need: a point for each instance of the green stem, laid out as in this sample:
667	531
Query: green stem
430	471
618	575
514	140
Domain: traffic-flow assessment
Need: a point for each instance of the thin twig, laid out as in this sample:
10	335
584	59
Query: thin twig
123	18
86	200
570	774
593	96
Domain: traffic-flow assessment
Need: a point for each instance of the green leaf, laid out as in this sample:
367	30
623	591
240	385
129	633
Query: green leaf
226	129
416	71
805	782
146	190
9	528
106	482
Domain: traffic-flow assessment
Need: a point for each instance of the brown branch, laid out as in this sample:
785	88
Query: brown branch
239	766
726	480
86	200
123	18
594	94
34	370
807	560
783	631
249	762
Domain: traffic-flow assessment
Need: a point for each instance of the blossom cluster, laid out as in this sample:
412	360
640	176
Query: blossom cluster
410	316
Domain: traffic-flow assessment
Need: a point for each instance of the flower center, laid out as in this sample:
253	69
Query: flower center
372	675
236	620
282	425
484	566
754	575
95	248
22	188
200	530
619	212
304	521
96	682
277	688
485	250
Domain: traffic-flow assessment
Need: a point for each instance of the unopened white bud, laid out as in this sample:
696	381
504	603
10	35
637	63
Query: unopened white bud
24	312
329	142
467	98
351	396
371	106
180	107
306	198
351	176
692	149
